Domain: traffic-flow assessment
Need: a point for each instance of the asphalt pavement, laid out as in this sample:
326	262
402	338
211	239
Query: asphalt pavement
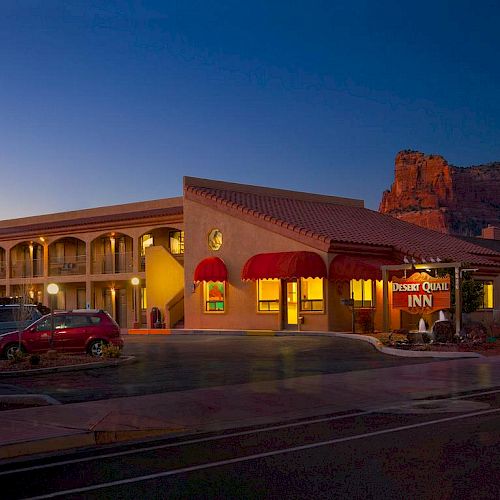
440	448
181	363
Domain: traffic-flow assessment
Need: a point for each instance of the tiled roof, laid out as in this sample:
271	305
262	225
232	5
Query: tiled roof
85	221
332	224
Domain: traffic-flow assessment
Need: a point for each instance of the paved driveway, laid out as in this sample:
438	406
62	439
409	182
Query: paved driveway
176	363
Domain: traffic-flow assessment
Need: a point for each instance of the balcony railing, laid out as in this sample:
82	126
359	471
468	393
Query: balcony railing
62	266
26	269
112	263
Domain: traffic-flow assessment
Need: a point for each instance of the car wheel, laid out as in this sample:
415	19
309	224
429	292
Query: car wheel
10	351
95	348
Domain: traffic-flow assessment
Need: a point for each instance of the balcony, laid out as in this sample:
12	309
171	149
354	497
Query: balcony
111	264
64	266
26	269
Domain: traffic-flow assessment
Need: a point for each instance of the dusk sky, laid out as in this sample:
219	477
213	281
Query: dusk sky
113	102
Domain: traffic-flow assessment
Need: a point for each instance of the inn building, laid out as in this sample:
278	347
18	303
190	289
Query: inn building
234	256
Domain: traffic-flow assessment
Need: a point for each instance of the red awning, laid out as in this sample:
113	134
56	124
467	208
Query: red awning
284	265
210	269
346	268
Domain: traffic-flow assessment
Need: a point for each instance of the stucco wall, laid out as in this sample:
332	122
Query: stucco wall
241	240
164	278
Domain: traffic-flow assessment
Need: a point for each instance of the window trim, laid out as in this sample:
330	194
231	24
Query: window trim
373	303
482	307
259	301
205	301
301	300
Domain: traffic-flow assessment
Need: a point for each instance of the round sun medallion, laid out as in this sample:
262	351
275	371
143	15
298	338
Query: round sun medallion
214	239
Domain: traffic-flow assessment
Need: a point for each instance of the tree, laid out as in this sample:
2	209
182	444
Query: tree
472	292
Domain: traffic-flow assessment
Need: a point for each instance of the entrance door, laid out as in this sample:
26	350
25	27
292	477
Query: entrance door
121	307
290	308
109	306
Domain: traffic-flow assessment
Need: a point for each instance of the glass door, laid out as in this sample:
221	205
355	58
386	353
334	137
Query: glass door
291	306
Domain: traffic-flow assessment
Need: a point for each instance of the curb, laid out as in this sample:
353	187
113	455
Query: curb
29	400
83	439
362	338
407	354
124	360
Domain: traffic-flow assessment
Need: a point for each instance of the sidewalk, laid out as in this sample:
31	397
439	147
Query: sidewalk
50	428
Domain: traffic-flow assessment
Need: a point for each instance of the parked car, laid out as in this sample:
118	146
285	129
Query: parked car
16	316
83	330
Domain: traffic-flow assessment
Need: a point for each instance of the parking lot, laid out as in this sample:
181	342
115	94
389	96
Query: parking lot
178	363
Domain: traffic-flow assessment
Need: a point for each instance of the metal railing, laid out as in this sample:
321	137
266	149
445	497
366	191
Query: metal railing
112	263
26	269
62	266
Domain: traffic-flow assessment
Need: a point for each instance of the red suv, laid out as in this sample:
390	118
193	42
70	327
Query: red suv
82	330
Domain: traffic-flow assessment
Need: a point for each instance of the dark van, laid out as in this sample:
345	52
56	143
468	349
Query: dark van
16	317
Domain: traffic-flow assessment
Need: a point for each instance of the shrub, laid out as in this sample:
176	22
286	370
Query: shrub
111	351
18	357
365	321
34	359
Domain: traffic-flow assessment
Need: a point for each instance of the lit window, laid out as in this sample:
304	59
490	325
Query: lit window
146	241
144	302
311	294
268	295
215	294
176	242
362	292
487	300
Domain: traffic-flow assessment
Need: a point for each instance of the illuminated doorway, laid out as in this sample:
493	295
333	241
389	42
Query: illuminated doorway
290	309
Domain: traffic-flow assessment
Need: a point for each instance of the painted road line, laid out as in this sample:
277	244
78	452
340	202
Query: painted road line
261	455
187	442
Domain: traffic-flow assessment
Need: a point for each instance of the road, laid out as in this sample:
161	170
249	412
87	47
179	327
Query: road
179	363
439	449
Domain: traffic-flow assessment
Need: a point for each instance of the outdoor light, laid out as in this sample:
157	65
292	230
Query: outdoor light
53	290
135	281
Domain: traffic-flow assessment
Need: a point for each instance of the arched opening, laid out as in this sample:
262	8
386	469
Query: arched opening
3	272
67	256
112	253
26	260
170	238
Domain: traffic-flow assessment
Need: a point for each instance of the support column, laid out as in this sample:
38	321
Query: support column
458	301
7	272
45	260
386	323
113	254
135	254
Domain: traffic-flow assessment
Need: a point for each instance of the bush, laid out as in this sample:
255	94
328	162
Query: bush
18	357
475	332
365	321
111	351
34	359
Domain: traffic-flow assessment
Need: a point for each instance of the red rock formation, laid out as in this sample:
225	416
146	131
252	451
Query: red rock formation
429	192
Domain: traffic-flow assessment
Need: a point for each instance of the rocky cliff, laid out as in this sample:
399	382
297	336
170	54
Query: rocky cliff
431	193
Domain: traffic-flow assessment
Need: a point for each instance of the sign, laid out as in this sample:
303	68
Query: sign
214	239
421	293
